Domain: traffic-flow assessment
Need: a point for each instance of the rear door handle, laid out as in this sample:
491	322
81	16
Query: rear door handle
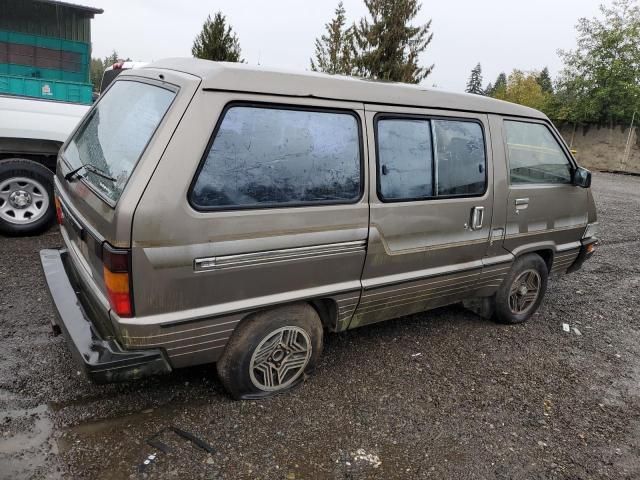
477	216
521	204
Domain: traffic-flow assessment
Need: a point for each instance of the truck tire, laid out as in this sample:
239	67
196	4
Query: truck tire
270	352
26	197
522	291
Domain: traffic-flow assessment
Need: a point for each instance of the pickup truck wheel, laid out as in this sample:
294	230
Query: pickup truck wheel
270	352
26	192
521	293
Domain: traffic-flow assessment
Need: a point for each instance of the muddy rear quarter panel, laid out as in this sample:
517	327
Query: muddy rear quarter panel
262	257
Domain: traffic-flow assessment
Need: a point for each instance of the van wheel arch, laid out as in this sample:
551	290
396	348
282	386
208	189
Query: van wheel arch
522	290
327	309
303	332
546	255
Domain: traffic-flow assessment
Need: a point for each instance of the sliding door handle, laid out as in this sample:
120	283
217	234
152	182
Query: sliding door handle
477	216
521	204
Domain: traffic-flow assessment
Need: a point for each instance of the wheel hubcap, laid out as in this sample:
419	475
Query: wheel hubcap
280	358
22	200
524	292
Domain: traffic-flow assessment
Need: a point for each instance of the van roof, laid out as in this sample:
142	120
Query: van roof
241	77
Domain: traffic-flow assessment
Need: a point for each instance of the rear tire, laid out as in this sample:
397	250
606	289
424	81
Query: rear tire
270	352
26	197
522	292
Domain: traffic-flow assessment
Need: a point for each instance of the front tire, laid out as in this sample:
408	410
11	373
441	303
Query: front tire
26	193
521	293
271	352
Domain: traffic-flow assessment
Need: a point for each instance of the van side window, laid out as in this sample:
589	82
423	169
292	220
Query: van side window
429	158
268	156
404	159
460	157
535	155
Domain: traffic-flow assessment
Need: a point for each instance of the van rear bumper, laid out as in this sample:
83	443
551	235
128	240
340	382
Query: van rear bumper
102	360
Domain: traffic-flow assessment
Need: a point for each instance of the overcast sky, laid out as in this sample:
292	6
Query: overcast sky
500	34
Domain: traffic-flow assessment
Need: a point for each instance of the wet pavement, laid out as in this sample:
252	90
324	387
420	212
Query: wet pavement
442	394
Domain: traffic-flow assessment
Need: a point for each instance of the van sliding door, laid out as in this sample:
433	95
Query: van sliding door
431	194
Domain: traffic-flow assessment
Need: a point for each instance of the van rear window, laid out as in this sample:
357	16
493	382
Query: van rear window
115	133
268	156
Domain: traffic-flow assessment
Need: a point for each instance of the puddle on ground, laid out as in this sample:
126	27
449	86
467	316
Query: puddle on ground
26	443
134	429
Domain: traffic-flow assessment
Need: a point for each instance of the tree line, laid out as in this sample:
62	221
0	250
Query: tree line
385	45
599	81
98	66
600	78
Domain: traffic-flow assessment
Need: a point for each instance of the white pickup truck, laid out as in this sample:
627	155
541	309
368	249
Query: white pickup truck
31	133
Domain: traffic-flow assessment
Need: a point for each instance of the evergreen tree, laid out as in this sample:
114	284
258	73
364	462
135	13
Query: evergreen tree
334	49
544	80
388	46
474	85
217	41
499	87
489	90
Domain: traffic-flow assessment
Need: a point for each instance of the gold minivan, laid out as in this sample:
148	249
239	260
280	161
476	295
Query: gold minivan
228	214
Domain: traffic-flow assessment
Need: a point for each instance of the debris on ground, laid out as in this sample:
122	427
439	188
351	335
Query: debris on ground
362	456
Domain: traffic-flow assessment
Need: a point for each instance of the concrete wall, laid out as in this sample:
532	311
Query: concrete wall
604	148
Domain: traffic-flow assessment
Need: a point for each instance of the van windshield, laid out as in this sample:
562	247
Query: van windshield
115	133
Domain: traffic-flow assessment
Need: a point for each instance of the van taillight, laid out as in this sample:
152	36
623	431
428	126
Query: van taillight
116	276
59	213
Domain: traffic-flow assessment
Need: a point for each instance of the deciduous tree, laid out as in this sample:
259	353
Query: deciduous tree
523	88
601	78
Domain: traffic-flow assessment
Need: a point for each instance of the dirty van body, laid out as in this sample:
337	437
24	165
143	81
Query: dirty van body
235	215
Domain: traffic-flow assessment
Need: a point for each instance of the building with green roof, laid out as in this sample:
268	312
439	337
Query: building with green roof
45	49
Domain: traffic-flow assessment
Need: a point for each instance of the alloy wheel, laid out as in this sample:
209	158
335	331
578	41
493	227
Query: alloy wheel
524	292
280	358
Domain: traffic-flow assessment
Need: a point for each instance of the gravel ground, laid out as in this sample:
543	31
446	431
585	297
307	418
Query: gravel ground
442	394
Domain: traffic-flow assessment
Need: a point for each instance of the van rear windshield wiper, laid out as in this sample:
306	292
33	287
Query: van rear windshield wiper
90	168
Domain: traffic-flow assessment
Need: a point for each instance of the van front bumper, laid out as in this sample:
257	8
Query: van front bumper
102	360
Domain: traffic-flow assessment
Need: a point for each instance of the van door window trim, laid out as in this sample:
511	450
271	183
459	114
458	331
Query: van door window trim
277	106
559	141
411	116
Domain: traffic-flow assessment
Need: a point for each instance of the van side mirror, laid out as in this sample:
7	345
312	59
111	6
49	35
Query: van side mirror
582	177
